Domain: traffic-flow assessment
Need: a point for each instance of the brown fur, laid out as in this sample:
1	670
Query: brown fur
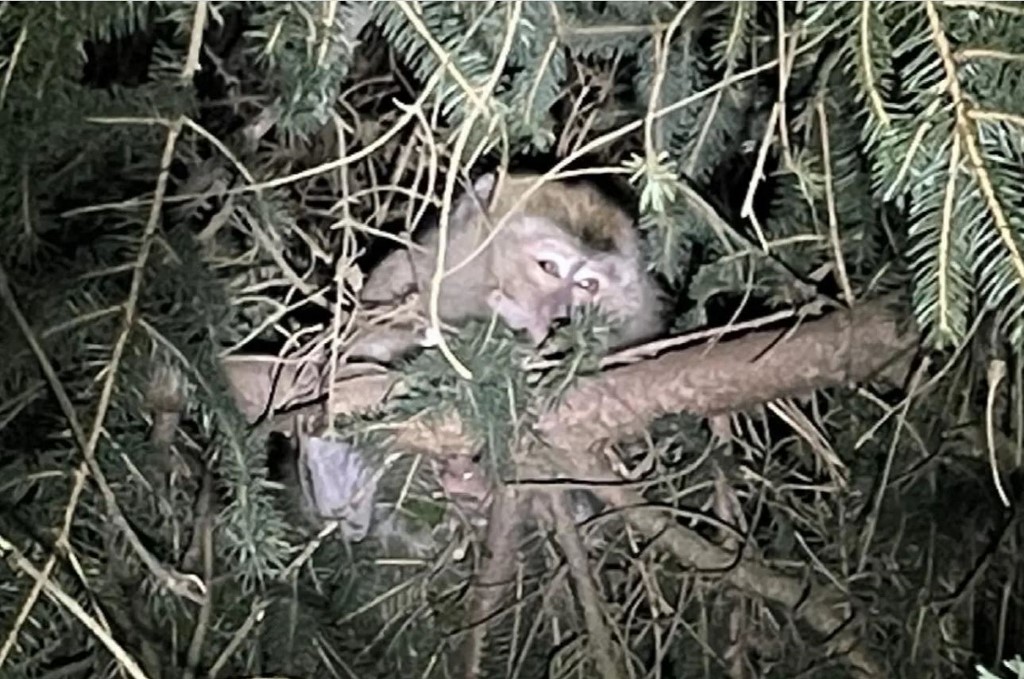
577	206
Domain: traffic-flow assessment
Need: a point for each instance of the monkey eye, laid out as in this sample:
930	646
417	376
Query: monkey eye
548	266
588	284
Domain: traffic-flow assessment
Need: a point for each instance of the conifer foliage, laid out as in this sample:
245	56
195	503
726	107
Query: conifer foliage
182	184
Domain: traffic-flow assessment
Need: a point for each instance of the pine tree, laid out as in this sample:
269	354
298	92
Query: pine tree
818	478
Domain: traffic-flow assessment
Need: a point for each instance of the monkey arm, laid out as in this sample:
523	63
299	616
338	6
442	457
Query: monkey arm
384	344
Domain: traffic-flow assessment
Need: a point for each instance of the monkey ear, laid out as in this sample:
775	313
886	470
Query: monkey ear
473	202
483	186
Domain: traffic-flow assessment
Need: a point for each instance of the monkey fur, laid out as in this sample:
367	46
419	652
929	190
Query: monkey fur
566	245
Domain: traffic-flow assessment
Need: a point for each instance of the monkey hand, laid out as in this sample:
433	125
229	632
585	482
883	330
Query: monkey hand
337	485
384	345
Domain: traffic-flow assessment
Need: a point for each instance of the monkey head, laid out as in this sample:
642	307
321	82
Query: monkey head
557	245
541	272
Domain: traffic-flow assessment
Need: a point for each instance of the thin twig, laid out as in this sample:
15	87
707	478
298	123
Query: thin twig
195	44
18	44
868	534
662	48
996	373
830	202
969	53
61	544
712	110
946	238
308	173
869	74
965	128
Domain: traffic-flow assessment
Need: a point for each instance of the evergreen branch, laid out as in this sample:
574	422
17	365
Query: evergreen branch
447	62
862	110
945	260
309	173
88	444
307	58
830	201
127	662
965	129
195	44
869	77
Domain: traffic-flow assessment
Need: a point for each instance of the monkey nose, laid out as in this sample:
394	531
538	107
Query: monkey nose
557	317
559	304
538	332
558	309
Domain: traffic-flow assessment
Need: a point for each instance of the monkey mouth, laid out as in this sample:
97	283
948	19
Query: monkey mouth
537	315
560	322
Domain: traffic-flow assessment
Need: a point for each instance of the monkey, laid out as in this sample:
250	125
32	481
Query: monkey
568	244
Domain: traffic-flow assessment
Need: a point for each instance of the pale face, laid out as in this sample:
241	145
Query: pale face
589	275
542	272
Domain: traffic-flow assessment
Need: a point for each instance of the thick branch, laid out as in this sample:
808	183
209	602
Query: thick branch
843	347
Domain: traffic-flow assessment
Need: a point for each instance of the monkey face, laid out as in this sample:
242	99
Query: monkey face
546	272
579	275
